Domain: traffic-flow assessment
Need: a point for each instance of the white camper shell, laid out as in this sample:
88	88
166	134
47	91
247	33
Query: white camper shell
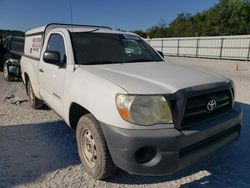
34	38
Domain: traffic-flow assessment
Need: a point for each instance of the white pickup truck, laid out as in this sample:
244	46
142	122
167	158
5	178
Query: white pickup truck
130	108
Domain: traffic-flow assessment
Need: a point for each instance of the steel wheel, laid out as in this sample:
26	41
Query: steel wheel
92	148
88	148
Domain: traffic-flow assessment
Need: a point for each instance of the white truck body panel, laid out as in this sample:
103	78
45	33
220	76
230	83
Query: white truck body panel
82	92
30	67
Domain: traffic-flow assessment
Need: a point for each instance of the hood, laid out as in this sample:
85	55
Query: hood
153	77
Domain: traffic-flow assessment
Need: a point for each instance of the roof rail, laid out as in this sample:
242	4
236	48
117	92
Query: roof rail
79	25
44	29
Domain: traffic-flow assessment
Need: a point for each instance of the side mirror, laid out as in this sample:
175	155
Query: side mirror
161	53
52	57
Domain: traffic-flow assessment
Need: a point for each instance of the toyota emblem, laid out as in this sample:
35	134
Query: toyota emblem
211	105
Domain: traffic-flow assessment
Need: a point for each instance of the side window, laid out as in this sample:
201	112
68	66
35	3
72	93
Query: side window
17	45
56	43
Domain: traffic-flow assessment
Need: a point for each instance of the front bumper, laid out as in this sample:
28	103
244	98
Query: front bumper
164	151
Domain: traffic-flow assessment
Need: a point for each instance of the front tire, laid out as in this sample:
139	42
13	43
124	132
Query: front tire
34	101
92	148
6	73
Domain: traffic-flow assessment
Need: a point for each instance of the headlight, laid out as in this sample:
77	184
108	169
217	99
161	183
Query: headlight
144	110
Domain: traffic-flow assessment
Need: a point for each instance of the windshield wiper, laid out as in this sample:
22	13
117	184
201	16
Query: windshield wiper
101	62
139	60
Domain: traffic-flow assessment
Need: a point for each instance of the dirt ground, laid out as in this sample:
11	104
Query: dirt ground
37	149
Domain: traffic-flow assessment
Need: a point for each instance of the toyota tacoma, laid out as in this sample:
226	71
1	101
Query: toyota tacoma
130	108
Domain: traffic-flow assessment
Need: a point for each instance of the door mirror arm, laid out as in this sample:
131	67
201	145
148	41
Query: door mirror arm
61	66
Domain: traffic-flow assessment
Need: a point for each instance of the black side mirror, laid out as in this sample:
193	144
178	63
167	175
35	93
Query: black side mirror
52	57
162	55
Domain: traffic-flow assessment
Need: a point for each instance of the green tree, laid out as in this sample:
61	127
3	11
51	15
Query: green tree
182	26
228	17
158	31
140	33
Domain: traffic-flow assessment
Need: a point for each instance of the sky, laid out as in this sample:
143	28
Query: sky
128	15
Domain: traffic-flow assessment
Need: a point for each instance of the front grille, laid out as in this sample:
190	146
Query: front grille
196	107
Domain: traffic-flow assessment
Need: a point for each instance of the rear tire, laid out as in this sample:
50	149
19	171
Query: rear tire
34	101
6	73
92	148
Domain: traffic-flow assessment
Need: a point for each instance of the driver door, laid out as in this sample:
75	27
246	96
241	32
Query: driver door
52	75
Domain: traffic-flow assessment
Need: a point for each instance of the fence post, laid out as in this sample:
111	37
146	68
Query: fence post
248	54
178	46
162	45
197	47
221	47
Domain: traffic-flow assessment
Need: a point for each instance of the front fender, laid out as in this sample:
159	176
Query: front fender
96	95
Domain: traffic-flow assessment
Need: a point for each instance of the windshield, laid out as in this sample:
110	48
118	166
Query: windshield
105	48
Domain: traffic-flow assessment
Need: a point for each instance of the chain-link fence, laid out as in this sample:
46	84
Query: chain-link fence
222	47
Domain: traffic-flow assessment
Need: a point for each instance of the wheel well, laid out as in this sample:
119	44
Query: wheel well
75	113
26	77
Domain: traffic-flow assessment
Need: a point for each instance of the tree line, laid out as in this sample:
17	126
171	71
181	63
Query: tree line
5	33
228	17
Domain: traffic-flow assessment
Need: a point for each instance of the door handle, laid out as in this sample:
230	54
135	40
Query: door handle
41	70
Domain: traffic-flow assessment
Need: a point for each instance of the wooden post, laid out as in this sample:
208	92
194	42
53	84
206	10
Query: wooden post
221	47
197	47
178	46
248	54
162	45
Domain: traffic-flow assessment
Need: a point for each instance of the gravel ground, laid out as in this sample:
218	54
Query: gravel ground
37	149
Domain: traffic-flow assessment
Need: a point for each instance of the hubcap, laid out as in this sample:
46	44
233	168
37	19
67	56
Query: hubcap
88	148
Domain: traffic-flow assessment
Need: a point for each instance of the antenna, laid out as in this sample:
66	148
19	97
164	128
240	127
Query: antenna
71	22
